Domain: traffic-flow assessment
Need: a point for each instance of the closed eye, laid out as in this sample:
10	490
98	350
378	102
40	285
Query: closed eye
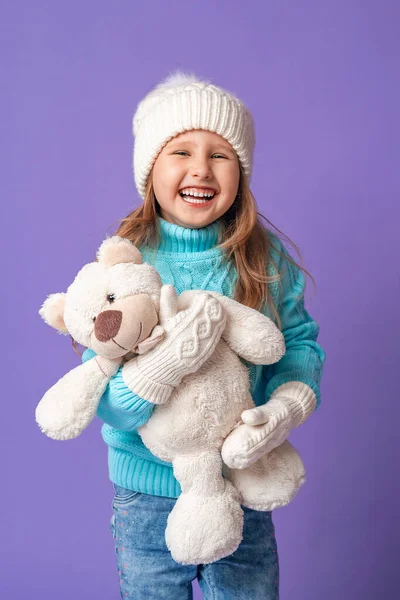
183	152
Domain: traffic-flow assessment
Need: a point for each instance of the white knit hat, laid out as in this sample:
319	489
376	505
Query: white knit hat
183	102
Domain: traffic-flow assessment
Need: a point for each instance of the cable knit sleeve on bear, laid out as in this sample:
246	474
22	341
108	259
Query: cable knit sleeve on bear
304	358
119	407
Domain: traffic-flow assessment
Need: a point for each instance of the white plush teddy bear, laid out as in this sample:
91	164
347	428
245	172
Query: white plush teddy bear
182	354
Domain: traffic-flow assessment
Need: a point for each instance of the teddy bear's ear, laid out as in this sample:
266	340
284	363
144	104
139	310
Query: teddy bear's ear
115	250
52	312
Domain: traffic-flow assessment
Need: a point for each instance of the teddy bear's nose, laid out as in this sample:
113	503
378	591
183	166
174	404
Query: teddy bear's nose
107	325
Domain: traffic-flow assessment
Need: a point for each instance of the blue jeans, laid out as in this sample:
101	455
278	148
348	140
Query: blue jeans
147	571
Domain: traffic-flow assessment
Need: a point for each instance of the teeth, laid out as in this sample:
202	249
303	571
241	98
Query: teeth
196	194
196	201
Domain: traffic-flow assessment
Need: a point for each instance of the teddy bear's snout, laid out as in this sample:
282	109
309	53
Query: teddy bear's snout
107	325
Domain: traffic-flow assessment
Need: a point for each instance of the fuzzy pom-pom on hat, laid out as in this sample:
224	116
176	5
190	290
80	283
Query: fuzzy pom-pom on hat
182	102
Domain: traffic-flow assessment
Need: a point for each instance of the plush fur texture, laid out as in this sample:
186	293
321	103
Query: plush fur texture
179	79
190	428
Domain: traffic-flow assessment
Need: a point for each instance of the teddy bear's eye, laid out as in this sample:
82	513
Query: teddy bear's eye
94	319
110	298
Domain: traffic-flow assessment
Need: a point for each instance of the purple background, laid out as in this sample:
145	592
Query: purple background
321	79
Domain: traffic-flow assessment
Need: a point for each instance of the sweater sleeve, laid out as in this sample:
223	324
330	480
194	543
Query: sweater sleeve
119	406
304	357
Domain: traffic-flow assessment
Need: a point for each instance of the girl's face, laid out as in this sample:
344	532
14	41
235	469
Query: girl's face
195	161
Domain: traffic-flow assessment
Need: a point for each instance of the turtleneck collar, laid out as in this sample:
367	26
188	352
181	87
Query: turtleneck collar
174	238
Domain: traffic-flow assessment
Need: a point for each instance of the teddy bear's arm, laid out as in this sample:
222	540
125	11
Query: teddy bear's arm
249	333
119	407
69	406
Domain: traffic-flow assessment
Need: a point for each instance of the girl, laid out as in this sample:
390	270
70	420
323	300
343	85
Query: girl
199	226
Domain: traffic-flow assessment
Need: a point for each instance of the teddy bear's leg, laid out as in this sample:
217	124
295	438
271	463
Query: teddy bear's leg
272	481
206	522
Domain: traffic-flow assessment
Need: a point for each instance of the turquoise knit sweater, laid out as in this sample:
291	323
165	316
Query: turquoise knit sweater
188	259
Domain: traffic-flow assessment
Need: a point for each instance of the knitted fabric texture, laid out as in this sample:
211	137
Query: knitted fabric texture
190	339
188	259
183	102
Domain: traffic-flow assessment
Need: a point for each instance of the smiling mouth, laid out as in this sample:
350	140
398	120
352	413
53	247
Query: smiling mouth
126	349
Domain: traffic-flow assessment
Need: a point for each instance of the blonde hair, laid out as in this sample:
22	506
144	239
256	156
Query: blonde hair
244	241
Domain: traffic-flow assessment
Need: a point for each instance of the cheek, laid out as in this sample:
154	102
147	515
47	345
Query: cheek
81	328
166	178
234	178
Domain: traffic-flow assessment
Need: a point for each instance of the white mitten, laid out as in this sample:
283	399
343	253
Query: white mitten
265	427
190	337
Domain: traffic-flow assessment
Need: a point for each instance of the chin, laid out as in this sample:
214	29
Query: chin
199	221
195	222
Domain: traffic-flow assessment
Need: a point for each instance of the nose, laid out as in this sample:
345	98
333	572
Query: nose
201	168
107	325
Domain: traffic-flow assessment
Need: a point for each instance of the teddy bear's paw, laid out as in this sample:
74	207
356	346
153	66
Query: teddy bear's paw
57	422
201	530
69	406
272	481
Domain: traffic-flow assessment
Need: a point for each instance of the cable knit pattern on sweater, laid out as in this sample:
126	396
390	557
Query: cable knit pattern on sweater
188	259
